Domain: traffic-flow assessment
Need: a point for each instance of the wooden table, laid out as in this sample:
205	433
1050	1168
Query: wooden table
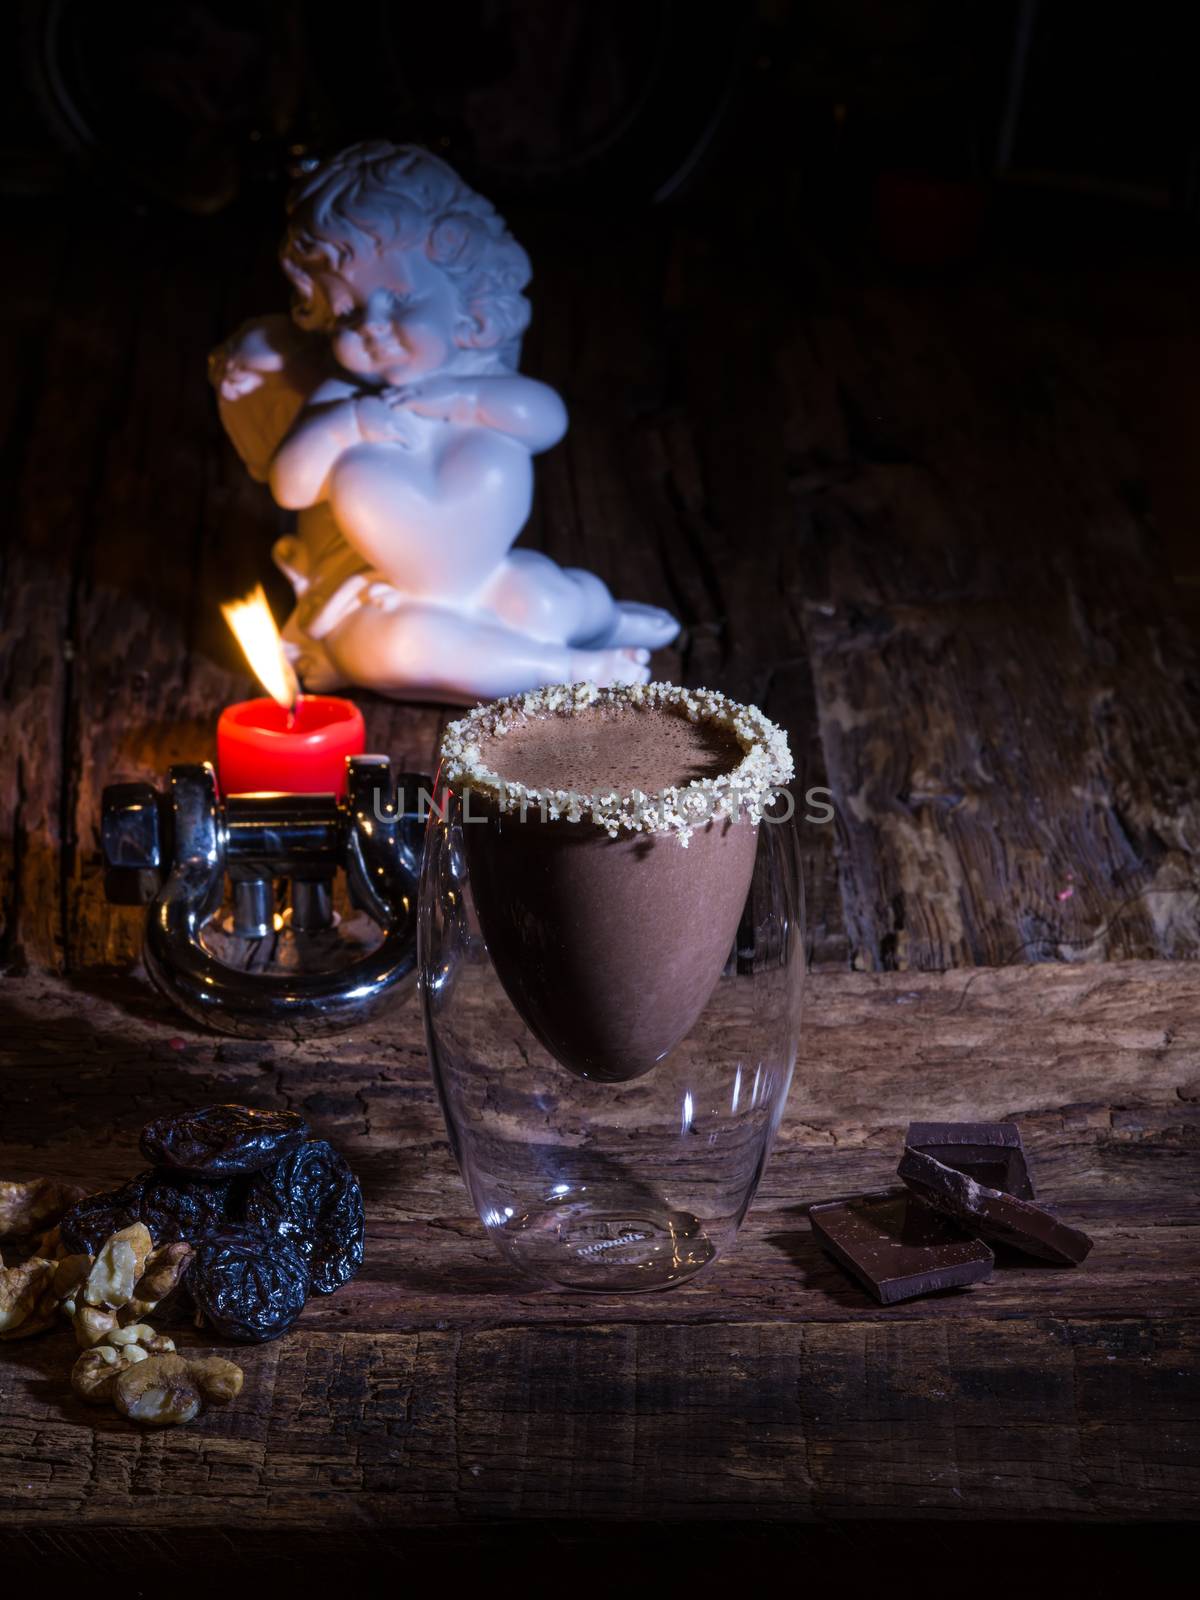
940	530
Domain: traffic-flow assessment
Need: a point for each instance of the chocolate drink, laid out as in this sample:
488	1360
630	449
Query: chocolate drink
608	932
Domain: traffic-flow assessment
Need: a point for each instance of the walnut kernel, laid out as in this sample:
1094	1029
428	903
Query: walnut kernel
161	1279
21	1290
69	1277
218	1380
158	1392
91	1324
95	1374
29	1207
118	1266
144	1336
97	1370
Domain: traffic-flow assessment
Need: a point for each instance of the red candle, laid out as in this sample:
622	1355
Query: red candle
265	747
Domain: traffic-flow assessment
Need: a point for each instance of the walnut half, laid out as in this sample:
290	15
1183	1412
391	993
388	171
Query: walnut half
94	1375
168	1388
25	1293
144	1336
117	1268
29	1207
92	1324
218	1380
159	1282
70	1275
158	1392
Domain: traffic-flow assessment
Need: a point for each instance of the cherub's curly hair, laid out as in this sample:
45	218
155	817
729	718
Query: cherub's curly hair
388	193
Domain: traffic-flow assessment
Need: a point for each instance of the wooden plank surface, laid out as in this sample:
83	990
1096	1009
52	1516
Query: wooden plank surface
1000	670
929	528
918	521
438	1388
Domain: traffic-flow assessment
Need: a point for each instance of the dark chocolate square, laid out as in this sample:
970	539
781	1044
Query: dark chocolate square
897	1247
1000	1217
989	1152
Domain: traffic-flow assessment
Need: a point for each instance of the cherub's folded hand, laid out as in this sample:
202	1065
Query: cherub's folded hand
383	420
232	378
445	399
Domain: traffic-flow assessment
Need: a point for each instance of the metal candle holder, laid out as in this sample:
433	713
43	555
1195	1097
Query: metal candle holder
171	851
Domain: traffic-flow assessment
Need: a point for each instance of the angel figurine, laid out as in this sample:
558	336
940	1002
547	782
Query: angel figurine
388	412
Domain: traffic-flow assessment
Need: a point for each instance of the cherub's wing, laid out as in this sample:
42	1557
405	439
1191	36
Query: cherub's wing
263	375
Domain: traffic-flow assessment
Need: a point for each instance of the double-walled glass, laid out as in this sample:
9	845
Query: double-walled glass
610	1186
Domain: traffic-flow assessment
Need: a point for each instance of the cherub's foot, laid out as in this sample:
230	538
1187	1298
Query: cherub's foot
649	627
291	557
609	667
311	664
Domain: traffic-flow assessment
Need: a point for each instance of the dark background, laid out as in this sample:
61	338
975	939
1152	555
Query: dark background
911	139
908	138
877	323
627	104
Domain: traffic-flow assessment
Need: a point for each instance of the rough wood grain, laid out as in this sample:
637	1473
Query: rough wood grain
916	521
1000	673
67	363
439	1388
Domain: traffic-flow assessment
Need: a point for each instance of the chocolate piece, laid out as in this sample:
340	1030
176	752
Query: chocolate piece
898	1247
989	1152
999	1217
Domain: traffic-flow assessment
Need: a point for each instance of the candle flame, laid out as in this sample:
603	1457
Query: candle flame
255	630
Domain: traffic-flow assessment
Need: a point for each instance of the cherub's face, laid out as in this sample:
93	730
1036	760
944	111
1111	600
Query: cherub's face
391	315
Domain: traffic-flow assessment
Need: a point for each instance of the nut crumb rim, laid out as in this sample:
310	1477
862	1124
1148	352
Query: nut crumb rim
747	787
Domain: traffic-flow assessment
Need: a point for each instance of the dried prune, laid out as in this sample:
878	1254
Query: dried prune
248	1286
170	1206
312	1198
89	1222
221	1141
